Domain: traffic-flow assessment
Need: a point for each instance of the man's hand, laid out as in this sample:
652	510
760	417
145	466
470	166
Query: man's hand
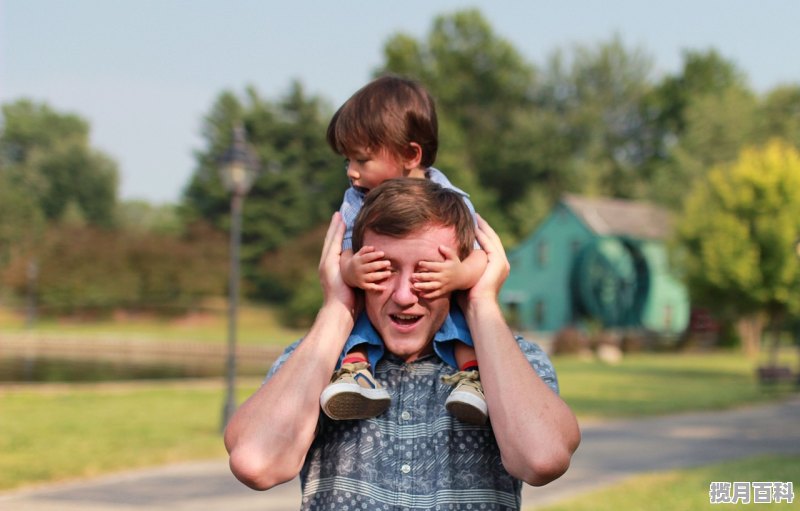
334	288
497	267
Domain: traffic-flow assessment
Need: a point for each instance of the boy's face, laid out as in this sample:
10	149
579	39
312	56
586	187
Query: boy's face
367	169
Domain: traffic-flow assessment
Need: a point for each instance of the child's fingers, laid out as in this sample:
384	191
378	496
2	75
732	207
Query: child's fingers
433	294
371	255
449	253
427	276
379	265
427	286
376	276
373	287
430	266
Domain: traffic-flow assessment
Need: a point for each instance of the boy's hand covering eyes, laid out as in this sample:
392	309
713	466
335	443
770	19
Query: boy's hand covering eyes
369	268
436	278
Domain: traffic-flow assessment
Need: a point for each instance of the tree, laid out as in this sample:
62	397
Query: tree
479	80
778	115
301	183
701	117
518	137
597	96
703	73
47	154
84	268
738	234
138	216
21	219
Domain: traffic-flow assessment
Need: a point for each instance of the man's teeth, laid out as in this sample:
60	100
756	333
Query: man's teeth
405	317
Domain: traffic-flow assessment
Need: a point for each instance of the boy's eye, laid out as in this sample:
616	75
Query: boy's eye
346	164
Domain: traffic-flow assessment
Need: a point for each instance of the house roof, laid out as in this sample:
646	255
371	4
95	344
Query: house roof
618	217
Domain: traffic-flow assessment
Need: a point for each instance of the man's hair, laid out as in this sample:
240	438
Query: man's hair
389	112
400	207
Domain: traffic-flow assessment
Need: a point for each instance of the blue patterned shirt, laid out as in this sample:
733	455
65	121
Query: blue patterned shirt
354	199
414	456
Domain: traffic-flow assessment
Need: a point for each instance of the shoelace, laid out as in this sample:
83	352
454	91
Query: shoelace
349	369
471	378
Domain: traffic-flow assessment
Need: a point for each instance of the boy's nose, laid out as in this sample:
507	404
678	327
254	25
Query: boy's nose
352	173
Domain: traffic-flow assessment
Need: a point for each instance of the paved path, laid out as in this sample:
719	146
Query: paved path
610	451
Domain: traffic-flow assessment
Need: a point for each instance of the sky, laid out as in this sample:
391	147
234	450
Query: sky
145	72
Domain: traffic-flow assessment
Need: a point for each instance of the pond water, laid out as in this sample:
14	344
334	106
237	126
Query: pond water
25	369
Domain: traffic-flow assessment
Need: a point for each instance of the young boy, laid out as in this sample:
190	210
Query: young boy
388	129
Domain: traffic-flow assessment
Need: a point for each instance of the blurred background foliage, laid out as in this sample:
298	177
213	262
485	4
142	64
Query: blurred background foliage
591	120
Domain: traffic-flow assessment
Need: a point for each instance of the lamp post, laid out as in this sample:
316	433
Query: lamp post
238	169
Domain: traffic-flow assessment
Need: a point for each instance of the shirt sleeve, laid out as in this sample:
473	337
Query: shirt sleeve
281	360
351	205
471	207
540	362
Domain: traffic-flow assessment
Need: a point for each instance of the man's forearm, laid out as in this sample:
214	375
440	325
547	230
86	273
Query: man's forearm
535	430
269	435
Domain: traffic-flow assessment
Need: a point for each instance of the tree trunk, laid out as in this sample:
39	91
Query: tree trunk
749	329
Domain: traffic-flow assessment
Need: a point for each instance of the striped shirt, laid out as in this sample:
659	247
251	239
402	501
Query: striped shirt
414	456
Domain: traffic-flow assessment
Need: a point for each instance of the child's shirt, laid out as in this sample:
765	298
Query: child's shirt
354	199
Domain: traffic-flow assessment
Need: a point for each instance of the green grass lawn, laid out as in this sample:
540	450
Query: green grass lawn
256	325
53	433
77	431
688	489
650	384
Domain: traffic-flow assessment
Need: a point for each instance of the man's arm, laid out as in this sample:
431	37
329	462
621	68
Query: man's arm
535	430
269	435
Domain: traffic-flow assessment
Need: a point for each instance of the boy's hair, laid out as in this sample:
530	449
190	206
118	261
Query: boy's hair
389	112
399	207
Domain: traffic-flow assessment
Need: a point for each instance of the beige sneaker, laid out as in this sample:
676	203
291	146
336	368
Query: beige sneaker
467	402
354	394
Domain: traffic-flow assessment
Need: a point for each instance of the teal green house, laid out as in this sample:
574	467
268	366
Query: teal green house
596	260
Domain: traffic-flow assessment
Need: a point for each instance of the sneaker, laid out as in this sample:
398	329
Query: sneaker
467	402
354	394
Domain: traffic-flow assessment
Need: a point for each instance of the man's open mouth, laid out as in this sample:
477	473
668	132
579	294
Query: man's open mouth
405	319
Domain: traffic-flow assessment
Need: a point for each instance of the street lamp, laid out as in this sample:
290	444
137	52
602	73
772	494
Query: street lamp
238	169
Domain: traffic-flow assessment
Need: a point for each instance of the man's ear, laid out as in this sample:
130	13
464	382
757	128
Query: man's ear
412	156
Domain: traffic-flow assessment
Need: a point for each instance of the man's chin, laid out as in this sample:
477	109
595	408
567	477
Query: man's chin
407	348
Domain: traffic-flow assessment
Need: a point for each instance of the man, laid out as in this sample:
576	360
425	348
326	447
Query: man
415	455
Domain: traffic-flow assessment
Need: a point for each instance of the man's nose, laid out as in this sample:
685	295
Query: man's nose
404	293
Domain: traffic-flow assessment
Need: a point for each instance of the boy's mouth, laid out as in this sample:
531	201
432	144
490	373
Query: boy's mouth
361	189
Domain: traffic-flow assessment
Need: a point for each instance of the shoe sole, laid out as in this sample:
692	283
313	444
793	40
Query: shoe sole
352	402
467	408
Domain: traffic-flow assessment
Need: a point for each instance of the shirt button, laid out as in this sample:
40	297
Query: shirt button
405	469
405	416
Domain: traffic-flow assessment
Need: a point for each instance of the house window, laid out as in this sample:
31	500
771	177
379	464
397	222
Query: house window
575	247
541	254
538	313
